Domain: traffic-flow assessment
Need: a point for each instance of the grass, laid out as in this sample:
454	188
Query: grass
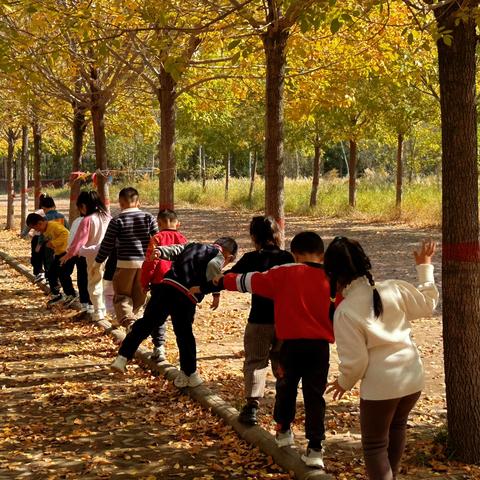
375	198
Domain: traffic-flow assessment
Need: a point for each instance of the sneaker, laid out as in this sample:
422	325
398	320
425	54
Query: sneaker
119	364
39	277
69	300
90	309
158	354
98	315
55	299
194	380
84	307
181	380
248	415
313	458
285	439
129	326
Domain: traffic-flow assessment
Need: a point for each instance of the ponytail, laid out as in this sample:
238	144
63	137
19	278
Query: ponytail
377	301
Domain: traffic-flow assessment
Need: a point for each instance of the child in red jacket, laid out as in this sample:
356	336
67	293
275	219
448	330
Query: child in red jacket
301	297
154	269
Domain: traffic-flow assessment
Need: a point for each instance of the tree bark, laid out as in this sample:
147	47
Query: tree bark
253	173
461	253
203	161
399	189
24	177
78	134
37	162
352	173
11	139
227	173
98	122
275	42
316	176
166	96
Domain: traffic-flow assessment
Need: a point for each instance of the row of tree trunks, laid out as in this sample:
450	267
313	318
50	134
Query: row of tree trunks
228	160
37	161
316	174
12	137
24	177
399	183
253	172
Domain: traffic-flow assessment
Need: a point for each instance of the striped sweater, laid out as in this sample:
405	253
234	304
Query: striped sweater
130	232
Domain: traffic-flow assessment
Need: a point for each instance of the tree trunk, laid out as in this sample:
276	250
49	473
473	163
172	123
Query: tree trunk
11	138
275	42
399	189
352	173
98	121
316	176
253	173
461	253
166	97
227	173
37	161
204	169
78	133
24	178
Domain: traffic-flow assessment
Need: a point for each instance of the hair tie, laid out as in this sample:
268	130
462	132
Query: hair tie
332	299
374	287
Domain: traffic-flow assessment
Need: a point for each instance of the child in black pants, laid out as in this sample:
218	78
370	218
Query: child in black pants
193	264
301	297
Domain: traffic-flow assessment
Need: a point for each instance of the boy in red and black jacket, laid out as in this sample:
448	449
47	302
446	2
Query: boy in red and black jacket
154	270
301	297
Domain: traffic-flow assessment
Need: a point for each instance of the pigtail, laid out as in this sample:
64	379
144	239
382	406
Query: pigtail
377	301
333	296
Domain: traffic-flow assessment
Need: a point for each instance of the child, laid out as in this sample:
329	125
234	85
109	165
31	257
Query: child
153	270
300	294
86	244
372	331
193	264
37	258
259	340
130	233
56	238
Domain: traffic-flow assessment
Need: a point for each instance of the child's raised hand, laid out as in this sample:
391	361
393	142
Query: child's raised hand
215	302
38	248
335	388
216	279
427	250
195	290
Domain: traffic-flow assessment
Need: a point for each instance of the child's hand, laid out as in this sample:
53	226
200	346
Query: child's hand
195	290
63	260
215	302
216	279
335	388
156	255
426	252
38	248
50	245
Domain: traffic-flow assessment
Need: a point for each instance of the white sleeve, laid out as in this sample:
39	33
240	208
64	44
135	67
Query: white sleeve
215	266
352	350
420	301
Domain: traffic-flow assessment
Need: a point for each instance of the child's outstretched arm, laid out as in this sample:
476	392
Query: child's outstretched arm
170	252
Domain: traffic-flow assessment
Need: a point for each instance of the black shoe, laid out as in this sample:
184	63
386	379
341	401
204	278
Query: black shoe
248	415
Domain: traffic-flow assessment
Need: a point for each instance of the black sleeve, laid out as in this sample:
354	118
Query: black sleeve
209	287
244	265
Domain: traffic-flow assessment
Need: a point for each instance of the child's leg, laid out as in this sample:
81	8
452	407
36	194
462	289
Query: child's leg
122	300
158	335
398	427
182	313
375	420
156	311
138	295
52	276
289	374
257	341
315	360
65	274
108	295
82	279
36	258
95	287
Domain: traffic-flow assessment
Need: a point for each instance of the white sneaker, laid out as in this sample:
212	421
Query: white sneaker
194	380
84	307
119	364
285	439
158	354
181	380
99	315
39	277
90	309
313	458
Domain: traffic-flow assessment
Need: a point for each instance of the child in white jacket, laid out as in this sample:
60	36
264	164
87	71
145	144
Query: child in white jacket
86	243
372	332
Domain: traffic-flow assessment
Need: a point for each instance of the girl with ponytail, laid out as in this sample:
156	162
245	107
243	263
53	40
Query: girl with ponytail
372	332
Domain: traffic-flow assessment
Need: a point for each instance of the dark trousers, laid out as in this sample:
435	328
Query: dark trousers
166	300
37	258
82	278
63	273
306	360
383	424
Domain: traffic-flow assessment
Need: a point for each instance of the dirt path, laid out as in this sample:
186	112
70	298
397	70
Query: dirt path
219	338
